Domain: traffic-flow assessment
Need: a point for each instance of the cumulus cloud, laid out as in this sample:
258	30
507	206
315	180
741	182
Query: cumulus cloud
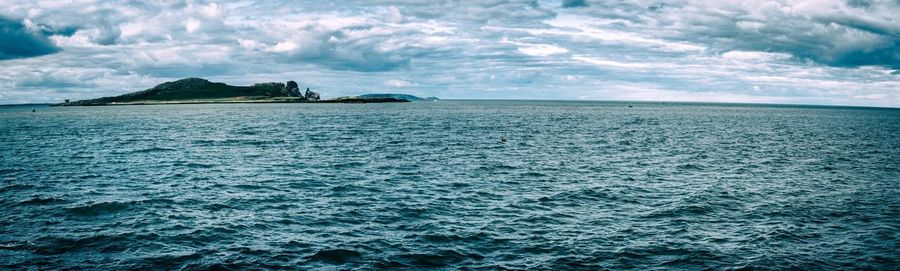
18	40
836	33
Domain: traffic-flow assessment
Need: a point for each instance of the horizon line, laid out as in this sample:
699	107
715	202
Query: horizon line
614	101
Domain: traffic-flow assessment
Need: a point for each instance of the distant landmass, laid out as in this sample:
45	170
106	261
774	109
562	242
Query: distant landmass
407	97
198	90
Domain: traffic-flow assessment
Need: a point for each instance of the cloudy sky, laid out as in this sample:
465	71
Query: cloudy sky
777	51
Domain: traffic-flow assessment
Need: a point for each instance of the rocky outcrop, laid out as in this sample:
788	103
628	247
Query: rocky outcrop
310	95
291	89
275	89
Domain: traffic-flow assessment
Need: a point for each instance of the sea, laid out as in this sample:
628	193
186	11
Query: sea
450	185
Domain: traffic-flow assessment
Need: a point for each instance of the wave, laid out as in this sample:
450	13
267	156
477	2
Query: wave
41	201
336	256
97	209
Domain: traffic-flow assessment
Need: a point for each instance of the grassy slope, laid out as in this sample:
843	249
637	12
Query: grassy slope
196	90
186	90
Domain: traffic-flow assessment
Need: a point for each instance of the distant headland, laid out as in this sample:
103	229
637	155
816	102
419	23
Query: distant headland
200	91
407	97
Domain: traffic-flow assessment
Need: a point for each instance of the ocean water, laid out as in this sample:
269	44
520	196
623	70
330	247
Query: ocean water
575	185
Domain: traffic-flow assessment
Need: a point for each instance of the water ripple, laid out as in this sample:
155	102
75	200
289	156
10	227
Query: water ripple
575	185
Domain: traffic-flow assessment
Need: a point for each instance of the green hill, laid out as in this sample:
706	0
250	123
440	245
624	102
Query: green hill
202	90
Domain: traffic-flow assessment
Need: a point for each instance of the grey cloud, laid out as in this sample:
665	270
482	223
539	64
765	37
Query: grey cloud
859	3
49	81
574	3
480	12
180	71
357	54
48	30
101	21
16	41
841	38
109	29
363	55
108	35
364	61
833	42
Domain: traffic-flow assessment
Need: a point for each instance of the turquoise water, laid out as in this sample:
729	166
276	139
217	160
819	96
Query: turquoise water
575	185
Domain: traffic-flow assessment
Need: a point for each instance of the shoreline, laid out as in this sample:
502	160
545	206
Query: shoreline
345	100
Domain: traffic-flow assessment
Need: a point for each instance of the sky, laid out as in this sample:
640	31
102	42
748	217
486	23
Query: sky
837	52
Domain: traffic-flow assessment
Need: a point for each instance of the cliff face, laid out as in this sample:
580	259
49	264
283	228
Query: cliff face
291	89
310	95
200	89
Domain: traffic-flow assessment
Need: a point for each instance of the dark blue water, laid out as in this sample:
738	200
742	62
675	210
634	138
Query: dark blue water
576	185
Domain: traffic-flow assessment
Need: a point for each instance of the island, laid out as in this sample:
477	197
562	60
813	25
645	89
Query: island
200	91
407	97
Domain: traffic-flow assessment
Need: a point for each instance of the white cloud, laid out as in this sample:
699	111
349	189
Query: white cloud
191	25
542	50
536	49
754	56
81	38
612	64
591	28
284	46
394	15
34	12
211	11
398	83
250	44
750	25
